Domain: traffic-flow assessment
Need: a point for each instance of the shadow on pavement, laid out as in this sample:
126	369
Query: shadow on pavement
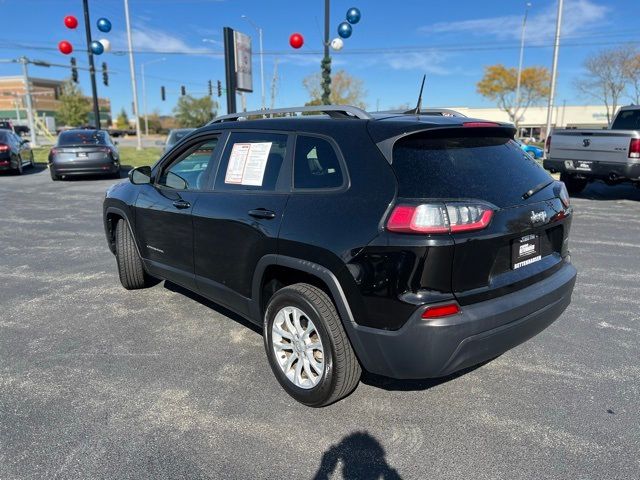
601	191
361	456
213	306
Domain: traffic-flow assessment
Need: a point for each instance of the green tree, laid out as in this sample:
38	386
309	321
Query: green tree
193	112
499	84
155	124
345	89
74	106
122	122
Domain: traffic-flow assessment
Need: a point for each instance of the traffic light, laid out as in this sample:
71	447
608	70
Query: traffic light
210	84
183	91
163	94
74	70
105	74
219	88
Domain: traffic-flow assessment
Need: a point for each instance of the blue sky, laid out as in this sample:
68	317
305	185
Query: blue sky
392	46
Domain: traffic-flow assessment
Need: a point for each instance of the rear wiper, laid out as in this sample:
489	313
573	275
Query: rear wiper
536	189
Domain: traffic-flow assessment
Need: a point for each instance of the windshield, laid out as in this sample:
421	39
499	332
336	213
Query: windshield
627	120
494	169
90	137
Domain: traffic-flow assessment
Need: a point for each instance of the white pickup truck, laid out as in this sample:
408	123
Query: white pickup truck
612	155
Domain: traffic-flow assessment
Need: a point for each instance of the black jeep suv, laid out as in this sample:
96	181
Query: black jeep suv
410	246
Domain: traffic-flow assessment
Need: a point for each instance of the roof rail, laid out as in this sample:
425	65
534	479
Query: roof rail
334	111
443	112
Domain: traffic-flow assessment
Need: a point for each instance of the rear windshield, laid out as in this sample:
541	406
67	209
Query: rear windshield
627	120
494	169
81	138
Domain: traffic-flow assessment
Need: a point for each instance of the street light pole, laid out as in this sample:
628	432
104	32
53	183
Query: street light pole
524	24
132	68
554	68
259	30
27	88
144	93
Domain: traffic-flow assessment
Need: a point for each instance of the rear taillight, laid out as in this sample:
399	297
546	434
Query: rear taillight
634	148
439	218
438	311
547	144
54	151
4	148
564	195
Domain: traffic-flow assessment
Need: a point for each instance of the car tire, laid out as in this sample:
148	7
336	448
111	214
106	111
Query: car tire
54	177
18	170
574	185
32	162
130	268
335	372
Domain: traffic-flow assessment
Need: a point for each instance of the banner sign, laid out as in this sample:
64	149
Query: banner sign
242	51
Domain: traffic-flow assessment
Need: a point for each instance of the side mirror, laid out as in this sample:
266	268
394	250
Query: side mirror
140	175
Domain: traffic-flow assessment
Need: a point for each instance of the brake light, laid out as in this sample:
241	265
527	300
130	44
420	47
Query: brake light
4	148
436	218
547	144
441	311
634	148
480	124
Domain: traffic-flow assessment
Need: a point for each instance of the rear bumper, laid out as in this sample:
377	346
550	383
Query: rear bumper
600	170
106	167
481	331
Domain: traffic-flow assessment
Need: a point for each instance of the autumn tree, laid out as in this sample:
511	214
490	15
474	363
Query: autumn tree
193	112
605	78
74	106
499	84
345	89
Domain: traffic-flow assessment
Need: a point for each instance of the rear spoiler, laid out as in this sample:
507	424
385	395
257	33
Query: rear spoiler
482	128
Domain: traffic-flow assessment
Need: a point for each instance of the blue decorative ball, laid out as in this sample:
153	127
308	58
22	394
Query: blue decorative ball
353	15
97	48
104	25
345	30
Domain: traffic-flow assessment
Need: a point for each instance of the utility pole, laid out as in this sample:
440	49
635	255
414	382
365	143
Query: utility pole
259	30
274	83
524	24
27	87
554	69
326	61
92	70
132	67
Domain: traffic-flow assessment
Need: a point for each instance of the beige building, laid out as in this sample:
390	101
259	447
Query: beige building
44	96
534	120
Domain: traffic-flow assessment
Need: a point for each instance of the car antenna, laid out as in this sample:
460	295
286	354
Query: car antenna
416	111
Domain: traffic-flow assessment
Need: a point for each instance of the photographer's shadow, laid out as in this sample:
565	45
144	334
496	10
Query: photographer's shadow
361	456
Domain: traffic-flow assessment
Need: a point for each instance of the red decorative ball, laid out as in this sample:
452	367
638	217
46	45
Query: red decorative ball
70	21
65	47
296	40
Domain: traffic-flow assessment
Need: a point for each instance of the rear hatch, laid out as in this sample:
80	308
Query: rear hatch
502	210
583	147
82	153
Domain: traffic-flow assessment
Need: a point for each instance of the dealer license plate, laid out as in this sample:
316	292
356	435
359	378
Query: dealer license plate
525	251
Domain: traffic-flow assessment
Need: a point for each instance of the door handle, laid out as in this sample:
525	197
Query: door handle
181	204
262	213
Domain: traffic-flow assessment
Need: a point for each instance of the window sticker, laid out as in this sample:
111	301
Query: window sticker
247	163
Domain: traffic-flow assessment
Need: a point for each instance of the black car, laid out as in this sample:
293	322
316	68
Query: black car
84	152
411	246
15	153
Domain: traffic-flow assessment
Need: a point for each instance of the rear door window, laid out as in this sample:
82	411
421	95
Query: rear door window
316	164
251	161
493	169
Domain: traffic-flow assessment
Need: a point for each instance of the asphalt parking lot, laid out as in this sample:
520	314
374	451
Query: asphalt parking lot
100	382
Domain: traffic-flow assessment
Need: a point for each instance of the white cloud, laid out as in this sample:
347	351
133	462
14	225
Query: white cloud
578	16
154	40
427	62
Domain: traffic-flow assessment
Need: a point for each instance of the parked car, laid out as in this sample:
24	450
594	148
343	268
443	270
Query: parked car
175	135
409	246
535	152
583	156
84	152
15	153
6	125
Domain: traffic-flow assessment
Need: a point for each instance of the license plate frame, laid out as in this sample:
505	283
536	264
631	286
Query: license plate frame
584	166
525	251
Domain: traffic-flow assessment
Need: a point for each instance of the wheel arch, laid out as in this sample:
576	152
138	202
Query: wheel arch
112	215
